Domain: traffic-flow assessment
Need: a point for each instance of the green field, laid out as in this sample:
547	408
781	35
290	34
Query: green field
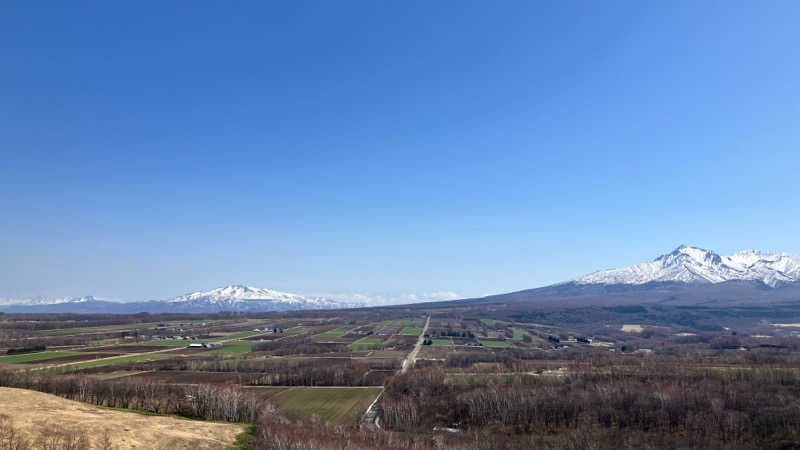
167	343
519	334
235	348
31	357
496	344
331	334
129	326
365	343
404	322
411	331
442	342
489	322
241	334
334	405
122	360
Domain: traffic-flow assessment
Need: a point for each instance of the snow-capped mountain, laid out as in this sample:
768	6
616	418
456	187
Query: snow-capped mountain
229	298
46	300
696	265
247	298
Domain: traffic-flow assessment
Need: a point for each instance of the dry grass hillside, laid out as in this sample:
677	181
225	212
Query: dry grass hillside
36	416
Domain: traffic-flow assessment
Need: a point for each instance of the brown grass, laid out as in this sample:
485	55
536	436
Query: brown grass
35	412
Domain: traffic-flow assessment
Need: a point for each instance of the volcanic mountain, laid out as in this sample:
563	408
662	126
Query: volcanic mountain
234	298
684	276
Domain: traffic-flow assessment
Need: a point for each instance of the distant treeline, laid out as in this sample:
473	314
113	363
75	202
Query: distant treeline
21	350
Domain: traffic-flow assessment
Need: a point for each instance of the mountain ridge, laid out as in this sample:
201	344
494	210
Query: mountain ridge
696	265
235	298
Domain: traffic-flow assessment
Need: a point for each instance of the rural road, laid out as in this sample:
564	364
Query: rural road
371	418
412	357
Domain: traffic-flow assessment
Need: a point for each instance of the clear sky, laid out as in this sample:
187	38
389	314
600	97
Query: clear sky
148	149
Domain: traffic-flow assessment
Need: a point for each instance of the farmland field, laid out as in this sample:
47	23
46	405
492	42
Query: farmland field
328	366
331	334
365	343
32	357
167	343
403	322
497	344
234	348
121	360
334	405
130	326
240	334
411	331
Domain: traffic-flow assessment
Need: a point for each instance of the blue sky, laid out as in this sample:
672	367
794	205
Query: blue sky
151	149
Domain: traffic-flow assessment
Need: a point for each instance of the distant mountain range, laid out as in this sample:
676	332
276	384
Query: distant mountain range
687	275
696	265
229	298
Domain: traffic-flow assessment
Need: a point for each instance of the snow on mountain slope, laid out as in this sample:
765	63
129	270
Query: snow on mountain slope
46	300
243	298
696	265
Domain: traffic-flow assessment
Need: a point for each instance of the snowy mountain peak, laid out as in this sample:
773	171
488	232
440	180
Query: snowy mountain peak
239	297
240	293
696	265
685	254
47	300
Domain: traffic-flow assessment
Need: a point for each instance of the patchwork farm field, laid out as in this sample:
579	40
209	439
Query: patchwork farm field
334	405
189	377
411	331
323	369
113	361
34	357
495	344
365	343
328	369
331	334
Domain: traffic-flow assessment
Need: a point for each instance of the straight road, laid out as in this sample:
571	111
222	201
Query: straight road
371	419
412	357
